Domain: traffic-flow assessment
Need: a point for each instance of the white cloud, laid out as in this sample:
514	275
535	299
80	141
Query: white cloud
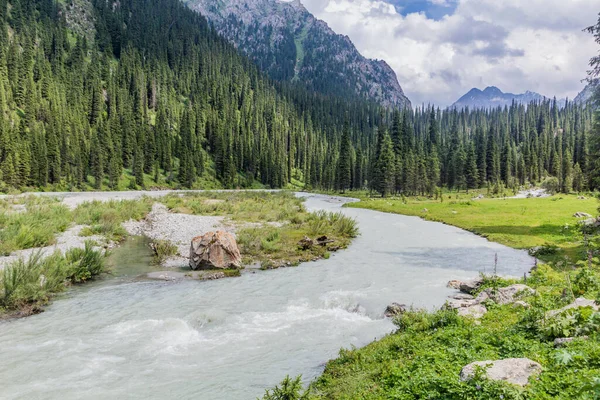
513	44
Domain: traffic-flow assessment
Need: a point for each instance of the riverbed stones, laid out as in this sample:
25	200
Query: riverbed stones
215	250
505	295
470	286
394	310
512	370
475	311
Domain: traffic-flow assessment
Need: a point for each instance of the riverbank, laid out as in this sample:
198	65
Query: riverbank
425	356
520	223
268	225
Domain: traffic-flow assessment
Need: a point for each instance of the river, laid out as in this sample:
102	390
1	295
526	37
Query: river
230	339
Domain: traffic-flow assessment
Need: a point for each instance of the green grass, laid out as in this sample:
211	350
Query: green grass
26	286
163	249
247	206
105	218
37	226
518	223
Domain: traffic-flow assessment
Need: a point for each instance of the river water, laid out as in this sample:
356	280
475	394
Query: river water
230	339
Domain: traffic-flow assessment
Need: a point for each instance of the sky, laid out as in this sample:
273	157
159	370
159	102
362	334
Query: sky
440	49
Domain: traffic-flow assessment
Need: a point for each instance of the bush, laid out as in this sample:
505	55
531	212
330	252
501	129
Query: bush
27	285
105	218
551	185
163	249
288	389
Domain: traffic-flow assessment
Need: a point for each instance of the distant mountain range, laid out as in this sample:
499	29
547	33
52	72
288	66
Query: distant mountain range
290	44
492	97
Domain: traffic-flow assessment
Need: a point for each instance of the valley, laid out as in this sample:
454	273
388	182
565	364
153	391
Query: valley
238	199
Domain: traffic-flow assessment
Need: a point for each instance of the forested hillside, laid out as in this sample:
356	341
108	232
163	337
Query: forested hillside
500	148
89	90
141	93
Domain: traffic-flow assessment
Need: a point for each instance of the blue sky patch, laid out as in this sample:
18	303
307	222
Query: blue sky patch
432	10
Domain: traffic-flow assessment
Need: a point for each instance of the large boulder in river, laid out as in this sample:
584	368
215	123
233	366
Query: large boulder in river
215	250
512	370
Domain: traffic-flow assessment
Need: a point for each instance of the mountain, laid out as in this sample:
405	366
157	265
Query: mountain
586	94
290	44
492	97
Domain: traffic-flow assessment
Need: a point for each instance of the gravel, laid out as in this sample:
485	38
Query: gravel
179	229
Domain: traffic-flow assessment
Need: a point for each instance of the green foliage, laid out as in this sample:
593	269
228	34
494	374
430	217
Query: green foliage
27	285
163	249
288	389
105	218
37	226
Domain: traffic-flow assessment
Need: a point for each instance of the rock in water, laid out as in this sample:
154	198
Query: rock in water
512	370
215	250
394	309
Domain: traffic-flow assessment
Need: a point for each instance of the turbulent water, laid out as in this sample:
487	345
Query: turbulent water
232	338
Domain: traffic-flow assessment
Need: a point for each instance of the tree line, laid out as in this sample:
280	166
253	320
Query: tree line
144	92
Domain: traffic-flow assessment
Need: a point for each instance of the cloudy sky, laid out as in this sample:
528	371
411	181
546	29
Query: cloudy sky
440	49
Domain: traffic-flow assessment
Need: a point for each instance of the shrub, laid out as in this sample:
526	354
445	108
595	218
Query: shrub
26	285
551	185
163	249
288	389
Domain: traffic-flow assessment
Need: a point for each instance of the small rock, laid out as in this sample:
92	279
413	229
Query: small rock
474	311
559	342
454	284
471	286
580	302
505	295
425	210
521	303
512	370
581	214
394	309
462	296
581	198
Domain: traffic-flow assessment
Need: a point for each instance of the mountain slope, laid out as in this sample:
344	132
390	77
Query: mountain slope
586	94
157	98
492	97
290	44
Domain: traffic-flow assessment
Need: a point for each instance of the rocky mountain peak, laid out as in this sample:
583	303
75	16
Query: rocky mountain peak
290	44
